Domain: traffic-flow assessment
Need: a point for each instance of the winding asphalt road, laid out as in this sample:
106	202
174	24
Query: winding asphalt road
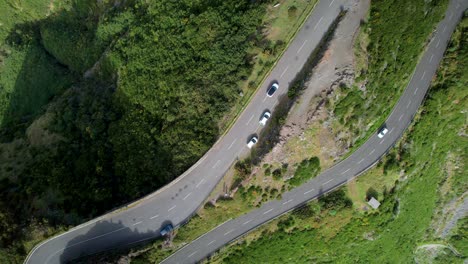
361	160
179	200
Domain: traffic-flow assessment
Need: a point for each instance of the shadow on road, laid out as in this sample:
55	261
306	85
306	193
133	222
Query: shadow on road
104	236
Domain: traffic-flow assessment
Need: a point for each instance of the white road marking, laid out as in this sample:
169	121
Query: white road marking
399	119
200	183
391	130
230	146
264	99
211	242
285	70
409	103
172	208
451	15
137	223
432	56
186	196
251	118
372	152
193	254
422	77
438	42
382	141
318	23
268	211
230	231
360	161
299	50
246	222
331	3
217	162
328	182
345	171
154	216
415	91
288	201
445	28
311	190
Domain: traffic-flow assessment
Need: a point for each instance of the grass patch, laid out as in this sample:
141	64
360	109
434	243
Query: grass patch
307	169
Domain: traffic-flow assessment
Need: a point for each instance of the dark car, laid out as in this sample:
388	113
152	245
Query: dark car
166	230
272	89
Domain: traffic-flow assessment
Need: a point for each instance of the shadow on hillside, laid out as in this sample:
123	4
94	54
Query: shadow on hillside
27	91
106	236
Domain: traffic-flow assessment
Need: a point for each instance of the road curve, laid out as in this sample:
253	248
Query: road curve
179	200
361	160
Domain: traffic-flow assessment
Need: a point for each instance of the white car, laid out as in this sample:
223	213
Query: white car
265	118
272	89
382	132
252	142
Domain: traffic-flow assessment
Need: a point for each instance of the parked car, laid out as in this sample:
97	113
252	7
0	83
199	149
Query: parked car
266	115
382	132
252	142
273	88
166	230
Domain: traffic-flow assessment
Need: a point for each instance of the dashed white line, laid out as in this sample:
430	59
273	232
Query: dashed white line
331	3
445	28
186	196
311	190
327	182
230	146
246	222
172	208
200	183
137	223
372	152
432	56
382	141
345	171
264	99
193	254
268	211
318	23
251	118
409	103
288	201
154	216
359	162
438	42
285	70
415	91
399	119
422	77
216	164
299	50
451	15
391	130
211	242
230	231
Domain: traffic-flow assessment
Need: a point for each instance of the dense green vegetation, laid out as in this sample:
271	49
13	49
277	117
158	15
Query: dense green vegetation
407	219
102	102
307	169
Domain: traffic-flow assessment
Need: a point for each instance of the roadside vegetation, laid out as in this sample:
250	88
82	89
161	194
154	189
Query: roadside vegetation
103	102
423	176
